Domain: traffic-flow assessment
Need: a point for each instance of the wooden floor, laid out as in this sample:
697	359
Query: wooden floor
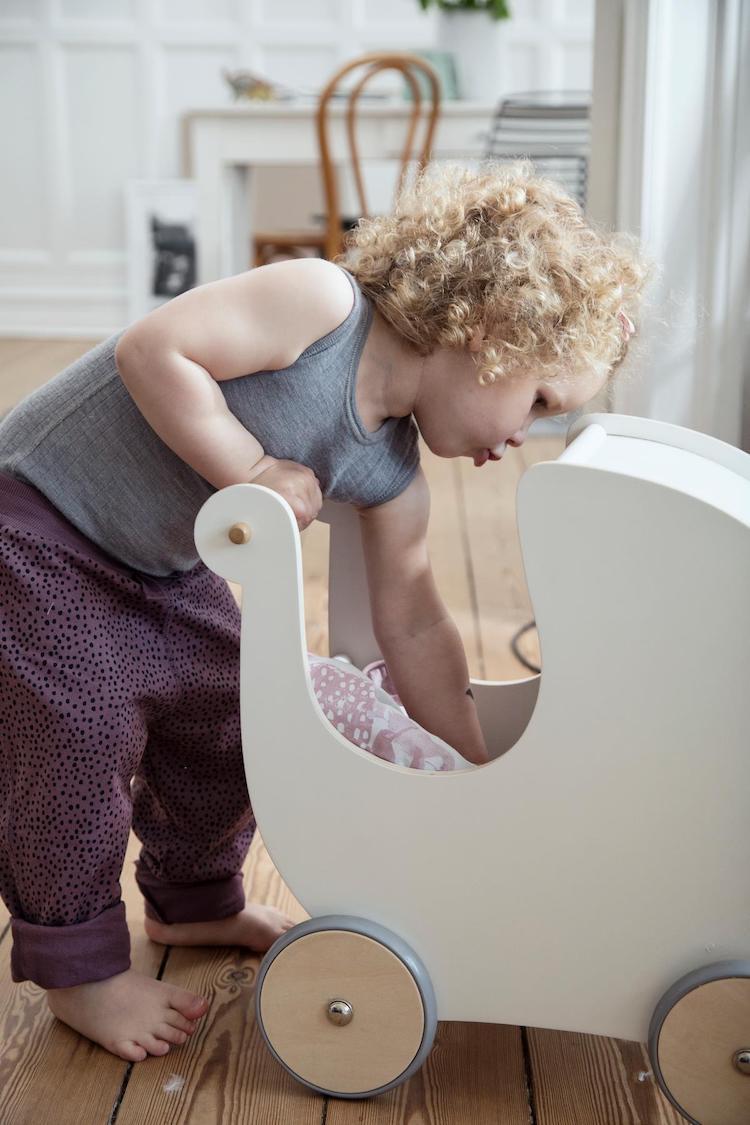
476	1073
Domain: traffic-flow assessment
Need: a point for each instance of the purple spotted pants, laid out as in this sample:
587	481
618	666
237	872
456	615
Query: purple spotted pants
119	706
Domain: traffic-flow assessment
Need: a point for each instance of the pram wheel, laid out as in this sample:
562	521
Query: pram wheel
699	1043
345	1006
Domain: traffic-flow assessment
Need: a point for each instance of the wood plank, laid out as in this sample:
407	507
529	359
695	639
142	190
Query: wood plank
474	1074
315	547
494	557
590	1080
27	364
541	447
447	547
13	349
224	1072
48	1072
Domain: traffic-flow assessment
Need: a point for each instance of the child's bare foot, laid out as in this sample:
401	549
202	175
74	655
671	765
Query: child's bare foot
255	927
130	1014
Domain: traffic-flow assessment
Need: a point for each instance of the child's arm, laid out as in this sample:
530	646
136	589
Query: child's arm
172	359
418	639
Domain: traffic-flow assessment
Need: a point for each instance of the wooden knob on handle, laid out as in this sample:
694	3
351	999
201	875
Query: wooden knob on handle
240	533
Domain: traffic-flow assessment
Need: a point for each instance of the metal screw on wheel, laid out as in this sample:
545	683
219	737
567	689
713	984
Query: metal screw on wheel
345	1006
699	1043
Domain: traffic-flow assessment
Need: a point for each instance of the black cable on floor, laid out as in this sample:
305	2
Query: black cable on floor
514	645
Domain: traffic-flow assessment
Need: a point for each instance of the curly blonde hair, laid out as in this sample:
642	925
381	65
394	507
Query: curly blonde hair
508	251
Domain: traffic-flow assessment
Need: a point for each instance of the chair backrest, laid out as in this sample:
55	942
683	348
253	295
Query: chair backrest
552	129
410	66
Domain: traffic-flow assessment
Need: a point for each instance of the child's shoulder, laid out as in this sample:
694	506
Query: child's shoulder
316	288
257	320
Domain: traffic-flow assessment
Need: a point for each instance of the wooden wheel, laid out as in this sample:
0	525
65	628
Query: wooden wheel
700	1044
345	1006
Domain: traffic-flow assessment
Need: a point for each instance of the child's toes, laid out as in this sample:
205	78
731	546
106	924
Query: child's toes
188	1004
171	1034
129	1050
153	1045
176	1019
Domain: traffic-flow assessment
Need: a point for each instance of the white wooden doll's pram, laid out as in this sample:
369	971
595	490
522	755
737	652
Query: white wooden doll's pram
593	877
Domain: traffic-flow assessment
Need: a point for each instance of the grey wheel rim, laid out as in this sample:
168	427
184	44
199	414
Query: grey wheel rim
398	947
720	970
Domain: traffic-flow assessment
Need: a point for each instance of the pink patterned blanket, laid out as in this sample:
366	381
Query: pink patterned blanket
363	706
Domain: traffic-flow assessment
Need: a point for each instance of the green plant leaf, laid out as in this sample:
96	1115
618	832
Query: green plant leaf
498	9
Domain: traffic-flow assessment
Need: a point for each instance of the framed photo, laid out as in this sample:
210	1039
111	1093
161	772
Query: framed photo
160	220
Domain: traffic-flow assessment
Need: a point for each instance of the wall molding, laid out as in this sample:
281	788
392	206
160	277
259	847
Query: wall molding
70	313
75	264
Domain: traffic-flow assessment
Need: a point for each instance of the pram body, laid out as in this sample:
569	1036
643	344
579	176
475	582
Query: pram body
601	856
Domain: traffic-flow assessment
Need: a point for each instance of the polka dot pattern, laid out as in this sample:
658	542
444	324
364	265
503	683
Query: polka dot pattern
373	719
119	699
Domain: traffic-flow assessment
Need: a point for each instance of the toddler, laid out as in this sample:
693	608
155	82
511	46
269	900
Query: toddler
484	302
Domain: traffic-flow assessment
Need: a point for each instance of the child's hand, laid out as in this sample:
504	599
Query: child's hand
296	483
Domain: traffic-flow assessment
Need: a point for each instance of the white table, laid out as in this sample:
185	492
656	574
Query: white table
220	147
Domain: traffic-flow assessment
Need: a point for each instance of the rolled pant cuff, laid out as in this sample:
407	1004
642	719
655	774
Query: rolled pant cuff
189	902
63	956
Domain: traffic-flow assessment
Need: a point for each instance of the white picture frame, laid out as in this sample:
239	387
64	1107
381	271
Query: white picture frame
161	262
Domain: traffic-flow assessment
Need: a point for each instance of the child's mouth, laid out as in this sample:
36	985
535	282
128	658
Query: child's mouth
486	455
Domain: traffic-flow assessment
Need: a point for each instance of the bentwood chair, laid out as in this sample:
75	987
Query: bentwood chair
328	240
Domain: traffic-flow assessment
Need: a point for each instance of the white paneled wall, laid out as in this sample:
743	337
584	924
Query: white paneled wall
91	95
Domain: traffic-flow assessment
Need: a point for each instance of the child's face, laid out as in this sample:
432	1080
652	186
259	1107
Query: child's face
458	417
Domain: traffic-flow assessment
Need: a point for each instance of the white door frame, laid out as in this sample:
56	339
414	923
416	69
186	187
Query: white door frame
670	162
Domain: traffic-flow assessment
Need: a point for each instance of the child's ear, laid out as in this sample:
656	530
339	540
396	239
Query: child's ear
477	336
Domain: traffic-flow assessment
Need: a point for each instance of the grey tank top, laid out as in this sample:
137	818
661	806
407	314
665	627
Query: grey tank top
81	441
